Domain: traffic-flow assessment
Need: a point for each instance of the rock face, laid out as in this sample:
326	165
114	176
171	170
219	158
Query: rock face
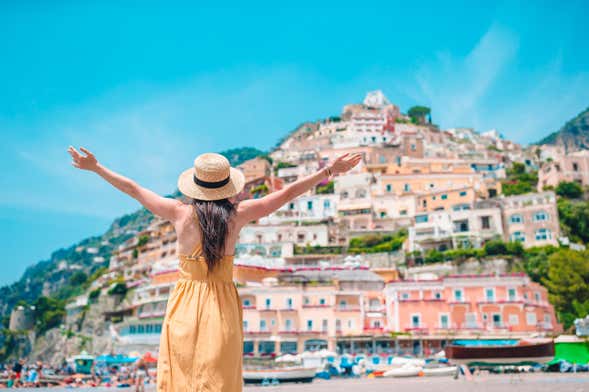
573	136
90	332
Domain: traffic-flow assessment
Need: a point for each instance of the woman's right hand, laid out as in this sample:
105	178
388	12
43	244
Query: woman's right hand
88	162
345	163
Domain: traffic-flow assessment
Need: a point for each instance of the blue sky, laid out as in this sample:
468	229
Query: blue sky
148	86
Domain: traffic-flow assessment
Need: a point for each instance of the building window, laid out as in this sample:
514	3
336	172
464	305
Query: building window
516	218
343	304
537	296
300	237
406	188
461	207
462	194
245	325
461	226
486	222
444	321
415	321
291	206
490	295
458	295
403	212
575	166
543	234
420	218
405	296
322	301
247	302
262	325
518	236
531	318
324	325
326	203
470	320
289	303
437	295
389	188
413	147
540	216
444	197
497	323
287	324
309	205
511	294
268	303
513	319
424	203
309	325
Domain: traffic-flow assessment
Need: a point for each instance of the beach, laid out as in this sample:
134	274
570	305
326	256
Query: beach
528	382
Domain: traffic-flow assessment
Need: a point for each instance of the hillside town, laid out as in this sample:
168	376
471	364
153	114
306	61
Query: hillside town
367	262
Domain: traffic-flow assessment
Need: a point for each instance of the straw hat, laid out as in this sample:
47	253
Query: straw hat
211	178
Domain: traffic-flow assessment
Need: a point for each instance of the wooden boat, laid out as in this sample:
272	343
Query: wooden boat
439	371
501	354
280	375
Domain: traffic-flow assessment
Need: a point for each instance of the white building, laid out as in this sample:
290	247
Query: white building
314	235
307	208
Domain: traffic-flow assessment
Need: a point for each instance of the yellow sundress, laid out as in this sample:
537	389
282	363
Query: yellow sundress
201	344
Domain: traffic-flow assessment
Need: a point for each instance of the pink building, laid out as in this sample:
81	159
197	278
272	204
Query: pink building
433	311
569	168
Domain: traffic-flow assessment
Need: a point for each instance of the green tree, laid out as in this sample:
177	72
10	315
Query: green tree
568	284
418	114
325	189
570	190
78	278
574	219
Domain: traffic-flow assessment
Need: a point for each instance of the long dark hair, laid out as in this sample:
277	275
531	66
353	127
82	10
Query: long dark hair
213	218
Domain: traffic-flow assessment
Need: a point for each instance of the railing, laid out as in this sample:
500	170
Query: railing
353	308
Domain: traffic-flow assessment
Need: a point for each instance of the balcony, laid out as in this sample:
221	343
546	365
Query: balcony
312	306
249	332
373	330
417	328
264	309
347	308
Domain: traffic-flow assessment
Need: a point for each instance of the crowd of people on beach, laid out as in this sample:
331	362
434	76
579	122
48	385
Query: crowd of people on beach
21	374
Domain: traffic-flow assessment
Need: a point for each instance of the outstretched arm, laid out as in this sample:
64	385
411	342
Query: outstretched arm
164	207
253	209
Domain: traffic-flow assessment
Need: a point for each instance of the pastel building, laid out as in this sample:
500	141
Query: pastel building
276	234
573	167
255	168
308	208
312	310
531	219
459	227
456	306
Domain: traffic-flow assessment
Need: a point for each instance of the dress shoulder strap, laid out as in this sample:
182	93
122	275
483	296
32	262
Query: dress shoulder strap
197	250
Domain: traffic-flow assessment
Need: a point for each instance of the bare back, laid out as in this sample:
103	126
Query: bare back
188	231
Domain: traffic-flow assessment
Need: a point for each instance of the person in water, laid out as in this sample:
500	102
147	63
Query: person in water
201	341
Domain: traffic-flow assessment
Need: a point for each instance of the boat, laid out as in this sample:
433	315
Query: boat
280	375
440	371
500	352
404	371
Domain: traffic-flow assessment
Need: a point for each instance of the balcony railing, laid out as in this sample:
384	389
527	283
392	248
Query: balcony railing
347	308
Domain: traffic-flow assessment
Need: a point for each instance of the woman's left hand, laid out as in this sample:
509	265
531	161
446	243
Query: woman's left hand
88	162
